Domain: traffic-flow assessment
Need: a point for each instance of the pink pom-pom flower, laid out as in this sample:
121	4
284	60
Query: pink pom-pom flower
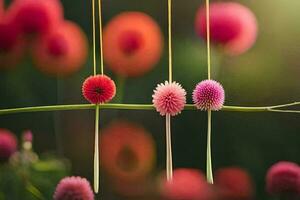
73	188
283	179
187	184
98	89
169	98
232	25
8	144
209	95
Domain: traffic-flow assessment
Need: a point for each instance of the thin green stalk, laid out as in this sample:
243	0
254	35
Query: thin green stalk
169	160
96	151
140	107
209	172
34	191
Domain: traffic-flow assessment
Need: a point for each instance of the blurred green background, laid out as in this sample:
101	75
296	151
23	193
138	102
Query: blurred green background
265	75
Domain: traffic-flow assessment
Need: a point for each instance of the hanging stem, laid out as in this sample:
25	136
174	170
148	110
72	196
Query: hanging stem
169	162
209	172
100	36
96	152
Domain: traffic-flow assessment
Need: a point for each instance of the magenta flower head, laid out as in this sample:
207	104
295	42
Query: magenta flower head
232	26
98	89
70	188
209	95
8	144
283	179
169	98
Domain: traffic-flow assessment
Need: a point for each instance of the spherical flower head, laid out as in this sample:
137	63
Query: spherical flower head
127	151
232	26
71	188
35	17
209	95
169	98
234	183
187	184
283	179
98	89
8	144
62	51
136	45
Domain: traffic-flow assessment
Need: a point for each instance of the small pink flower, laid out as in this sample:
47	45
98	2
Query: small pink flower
209	95
27	136
98	89
8	144
73	188
283	178
169	98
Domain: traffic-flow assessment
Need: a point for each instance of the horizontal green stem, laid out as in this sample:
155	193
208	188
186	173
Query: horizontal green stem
142	107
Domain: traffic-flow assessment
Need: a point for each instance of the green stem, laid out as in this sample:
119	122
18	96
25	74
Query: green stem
209	172
141	107
34	191
96	151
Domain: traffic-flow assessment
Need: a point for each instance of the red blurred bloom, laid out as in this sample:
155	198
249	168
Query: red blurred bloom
127	151
232	26
234	183
283	179
187	184
71	188
135	45
36	16
62	51
8	144
11	43
98	89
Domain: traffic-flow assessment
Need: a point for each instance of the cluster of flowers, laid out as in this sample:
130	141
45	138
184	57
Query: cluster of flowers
57	46
135	47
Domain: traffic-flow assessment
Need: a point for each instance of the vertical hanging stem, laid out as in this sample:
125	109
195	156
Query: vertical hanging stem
100	37
94	37
96	152
209	172
169	162
208	39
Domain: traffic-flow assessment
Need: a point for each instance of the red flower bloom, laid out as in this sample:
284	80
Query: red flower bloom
36	16
233	184
98	89
135	45
127	151
62	51
232	25
8	144
283	179
187	184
